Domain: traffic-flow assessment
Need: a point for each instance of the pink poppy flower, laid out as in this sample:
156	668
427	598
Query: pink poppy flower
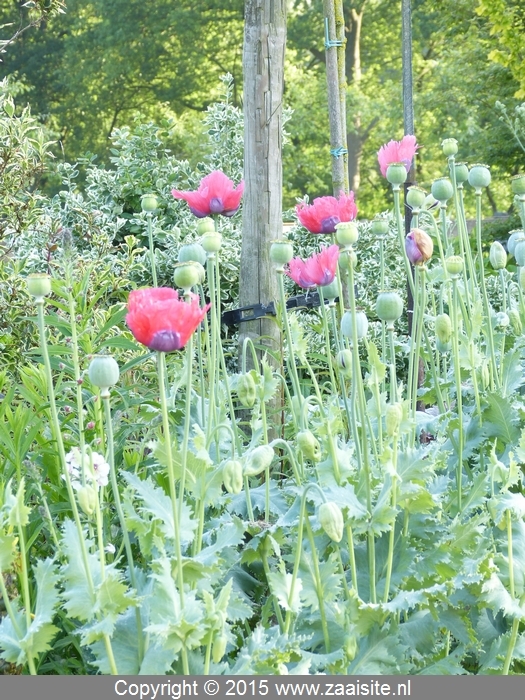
325	212
216	194
397	152
317	271
160	320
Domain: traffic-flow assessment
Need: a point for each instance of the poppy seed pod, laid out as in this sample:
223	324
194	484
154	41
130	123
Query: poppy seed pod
479	175
498	256
443	347
379	226
415	197
205	225
521	278
192	252
38	285
396	173
148	202
331	520
186	275
450	147
454	265
461	172
519	252
442	189
361	322
211	241
517	183
347	259
103	371
389	306
281	251
331	291
346	233
514	237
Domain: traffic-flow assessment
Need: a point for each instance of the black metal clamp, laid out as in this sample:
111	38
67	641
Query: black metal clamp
255	311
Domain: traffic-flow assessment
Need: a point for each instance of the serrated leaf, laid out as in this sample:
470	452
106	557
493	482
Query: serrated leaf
18	512
79	598
10	647
281	587
379	653
450	665
499	419
229	534
377	368
7	550
270	383
498	598
512	372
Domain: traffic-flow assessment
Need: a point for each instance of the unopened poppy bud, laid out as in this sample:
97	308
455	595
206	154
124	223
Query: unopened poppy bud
87	499
281	251
454	265
389	306
419	246
442	189
103	371
309	445
246	390
497	256
192	252
485	375
479	176
346	232
396	173
205	225
515	321
148	202
517	183
232	476
415	197
38	285
258	460
350	647
450	147
393	417
219	647
344	363
331	520
443	327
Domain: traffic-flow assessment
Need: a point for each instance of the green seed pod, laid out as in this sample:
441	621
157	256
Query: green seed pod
331	291
211	242
192	252
517	183
389	306
148	202
393	418
103	371
515	321
519	252
346	233
281	251
205	225
498	256
450	147
454	265
442	189
379	226
479	175
443	347
258	460
344	363
331	520
186	275
415	197
38	285
219	647
347	259
514	236
87	499
309	445
461	170
521	278
443	327
232	476
396	173
361	323
246	390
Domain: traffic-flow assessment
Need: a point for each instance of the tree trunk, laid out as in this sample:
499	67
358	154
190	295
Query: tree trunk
263	63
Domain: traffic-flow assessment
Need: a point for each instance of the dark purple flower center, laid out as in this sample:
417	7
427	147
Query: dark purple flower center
196	212
328	224
165	341
216	205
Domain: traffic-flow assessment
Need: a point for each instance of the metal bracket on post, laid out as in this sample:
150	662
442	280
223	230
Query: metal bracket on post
255	311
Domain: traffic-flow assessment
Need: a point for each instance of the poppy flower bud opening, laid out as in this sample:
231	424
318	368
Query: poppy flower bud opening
419	246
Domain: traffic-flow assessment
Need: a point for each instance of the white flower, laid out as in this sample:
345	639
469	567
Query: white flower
96	469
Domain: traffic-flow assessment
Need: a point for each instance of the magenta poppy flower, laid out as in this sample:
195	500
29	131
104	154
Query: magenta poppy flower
325	212
397	152
160	320
317	271
216	194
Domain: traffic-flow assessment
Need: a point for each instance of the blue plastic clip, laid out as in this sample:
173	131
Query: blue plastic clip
329	43
338	152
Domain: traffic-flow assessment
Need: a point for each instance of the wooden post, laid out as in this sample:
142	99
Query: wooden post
263	62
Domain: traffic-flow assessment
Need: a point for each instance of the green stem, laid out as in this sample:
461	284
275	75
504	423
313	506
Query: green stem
391	539
25	588
151	249
318	586
291	356
351	554
328	346
459	395
401	238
